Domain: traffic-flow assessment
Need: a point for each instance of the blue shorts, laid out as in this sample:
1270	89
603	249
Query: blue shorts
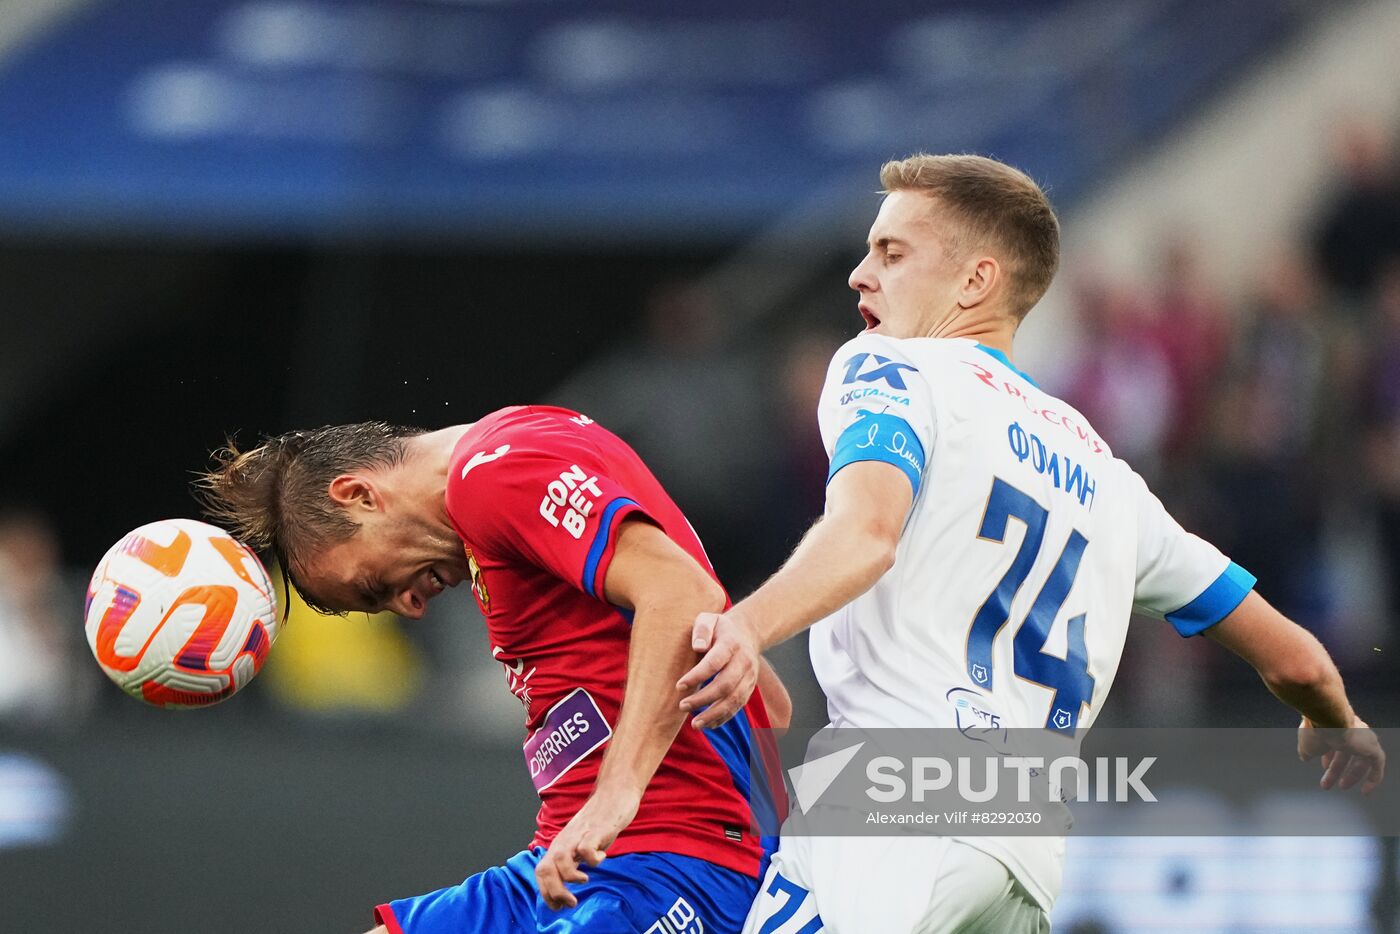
636	893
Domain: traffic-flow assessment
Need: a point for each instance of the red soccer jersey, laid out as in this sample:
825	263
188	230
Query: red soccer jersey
537	494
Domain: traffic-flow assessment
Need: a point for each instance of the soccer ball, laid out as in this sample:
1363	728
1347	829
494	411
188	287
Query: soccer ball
180	614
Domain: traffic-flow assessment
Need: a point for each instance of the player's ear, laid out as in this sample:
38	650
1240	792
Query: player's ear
354	492
980	276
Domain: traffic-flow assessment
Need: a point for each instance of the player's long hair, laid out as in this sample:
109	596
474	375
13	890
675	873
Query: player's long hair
998	207
275	497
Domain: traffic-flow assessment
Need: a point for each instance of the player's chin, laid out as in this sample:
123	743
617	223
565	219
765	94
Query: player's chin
451	575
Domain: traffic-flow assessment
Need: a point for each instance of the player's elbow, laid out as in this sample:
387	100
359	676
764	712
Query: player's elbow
889	549
651	572
777	702
1301	670
867	543
708	594
867	505
686	588
879	545
1288	658
1301	673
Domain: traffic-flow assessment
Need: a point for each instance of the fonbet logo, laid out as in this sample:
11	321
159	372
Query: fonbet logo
573	494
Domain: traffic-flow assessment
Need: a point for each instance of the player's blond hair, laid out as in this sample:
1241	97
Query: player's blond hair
275	497
997	207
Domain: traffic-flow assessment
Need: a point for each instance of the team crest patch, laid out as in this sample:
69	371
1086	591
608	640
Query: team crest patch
483	596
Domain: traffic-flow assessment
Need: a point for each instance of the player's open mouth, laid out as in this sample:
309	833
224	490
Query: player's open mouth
871	321
441	577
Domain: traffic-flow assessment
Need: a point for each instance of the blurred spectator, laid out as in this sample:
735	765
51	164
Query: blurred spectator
46	674
1282	354
1188	322
800	496
1122	379
1382	424
796	494
36	802
1360	226
1264	467
696	409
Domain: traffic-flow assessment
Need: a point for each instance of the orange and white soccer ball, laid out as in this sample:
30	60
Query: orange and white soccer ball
180	614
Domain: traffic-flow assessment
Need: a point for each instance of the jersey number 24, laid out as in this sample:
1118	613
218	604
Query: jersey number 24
1068	677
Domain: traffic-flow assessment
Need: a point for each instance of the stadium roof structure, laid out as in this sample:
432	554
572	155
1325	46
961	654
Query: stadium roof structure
548	118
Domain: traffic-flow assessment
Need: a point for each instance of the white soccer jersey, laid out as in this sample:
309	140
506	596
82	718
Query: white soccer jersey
1027	547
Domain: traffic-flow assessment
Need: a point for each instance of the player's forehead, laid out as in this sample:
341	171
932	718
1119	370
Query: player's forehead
908	217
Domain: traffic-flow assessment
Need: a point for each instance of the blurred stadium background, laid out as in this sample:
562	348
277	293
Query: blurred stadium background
222	216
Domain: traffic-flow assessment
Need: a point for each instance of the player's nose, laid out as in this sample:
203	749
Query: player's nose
861	278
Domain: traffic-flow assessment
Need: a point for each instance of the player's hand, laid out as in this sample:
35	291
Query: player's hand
732	660
1349	756
585	839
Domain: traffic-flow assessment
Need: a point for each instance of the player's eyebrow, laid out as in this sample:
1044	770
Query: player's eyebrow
884	243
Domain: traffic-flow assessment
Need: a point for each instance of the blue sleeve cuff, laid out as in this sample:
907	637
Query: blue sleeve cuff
1217	602
880	436
601	540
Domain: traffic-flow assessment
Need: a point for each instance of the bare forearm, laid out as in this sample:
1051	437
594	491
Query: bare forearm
835	563
1321	709
1317	693
838	560
666	588
776	699
650	716
1290	660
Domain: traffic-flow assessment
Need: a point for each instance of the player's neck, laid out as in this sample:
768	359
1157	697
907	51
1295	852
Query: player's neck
988	329
436	447
430	455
